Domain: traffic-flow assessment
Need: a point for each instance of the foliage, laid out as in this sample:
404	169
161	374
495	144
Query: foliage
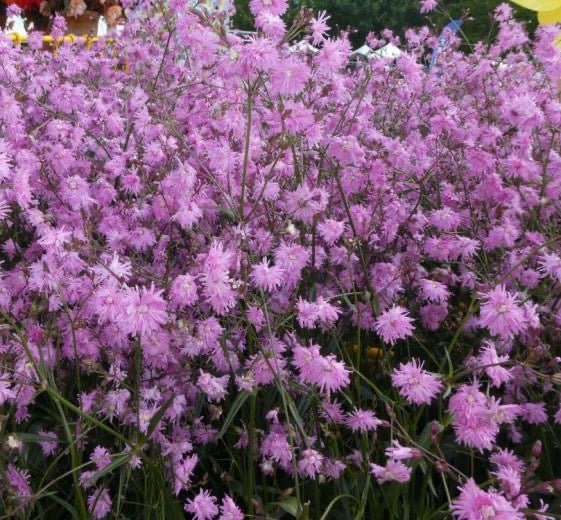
364	16
237	277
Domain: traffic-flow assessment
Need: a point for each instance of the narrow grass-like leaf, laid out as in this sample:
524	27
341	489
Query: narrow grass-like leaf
234	409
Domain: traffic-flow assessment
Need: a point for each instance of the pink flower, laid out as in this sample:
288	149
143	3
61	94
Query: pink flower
213	387
272	6
275	446
184	291
491	363
416	384
550	264
476	418
6	392
394	324
325	371
393	471
501	314
291	78
216	280
319	27
100	457
533	413
18	481
434	291
310	463
99	503
183	472
144	311
507	458
48	443
362	420
330	230
203	506
476	504
399	452
229	510
265	277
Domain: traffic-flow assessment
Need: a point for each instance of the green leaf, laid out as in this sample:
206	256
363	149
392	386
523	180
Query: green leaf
289	505
158	415
234	409
118	461
333	502
305	513
69	507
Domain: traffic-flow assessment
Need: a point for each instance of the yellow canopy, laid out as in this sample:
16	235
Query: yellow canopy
539	5
549	17
549	11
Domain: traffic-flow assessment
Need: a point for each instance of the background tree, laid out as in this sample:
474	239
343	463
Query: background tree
363	16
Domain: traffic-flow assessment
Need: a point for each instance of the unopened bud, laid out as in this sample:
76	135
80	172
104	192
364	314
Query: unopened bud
537	449
442	467
416	454
545	488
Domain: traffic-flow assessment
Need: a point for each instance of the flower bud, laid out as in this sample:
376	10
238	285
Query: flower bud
537	449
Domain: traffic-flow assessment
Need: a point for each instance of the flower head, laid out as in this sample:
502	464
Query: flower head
501	314
202	506
393	471
394	324
416	384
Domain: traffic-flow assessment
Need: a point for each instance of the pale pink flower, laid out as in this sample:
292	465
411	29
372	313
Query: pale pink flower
273	6
501	314
489	360
393	471
213	387
202	506
265	277
399	452
310	463
476	504
362	420
99	503
319	27
144	311
229	510
417	385
394	324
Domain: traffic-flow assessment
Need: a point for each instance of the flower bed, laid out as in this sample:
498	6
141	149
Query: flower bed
238	278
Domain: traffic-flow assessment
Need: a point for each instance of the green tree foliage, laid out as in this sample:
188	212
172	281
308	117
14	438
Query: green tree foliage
479	25
363	16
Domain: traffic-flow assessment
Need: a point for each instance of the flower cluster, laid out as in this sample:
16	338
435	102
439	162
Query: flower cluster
231	267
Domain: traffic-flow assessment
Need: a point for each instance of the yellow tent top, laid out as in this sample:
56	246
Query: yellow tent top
549	11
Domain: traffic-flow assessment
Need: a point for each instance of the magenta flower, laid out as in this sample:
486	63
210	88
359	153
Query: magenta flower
501	314
416	384
394	324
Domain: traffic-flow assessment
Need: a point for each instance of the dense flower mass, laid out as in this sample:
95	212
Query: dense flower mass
249	276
